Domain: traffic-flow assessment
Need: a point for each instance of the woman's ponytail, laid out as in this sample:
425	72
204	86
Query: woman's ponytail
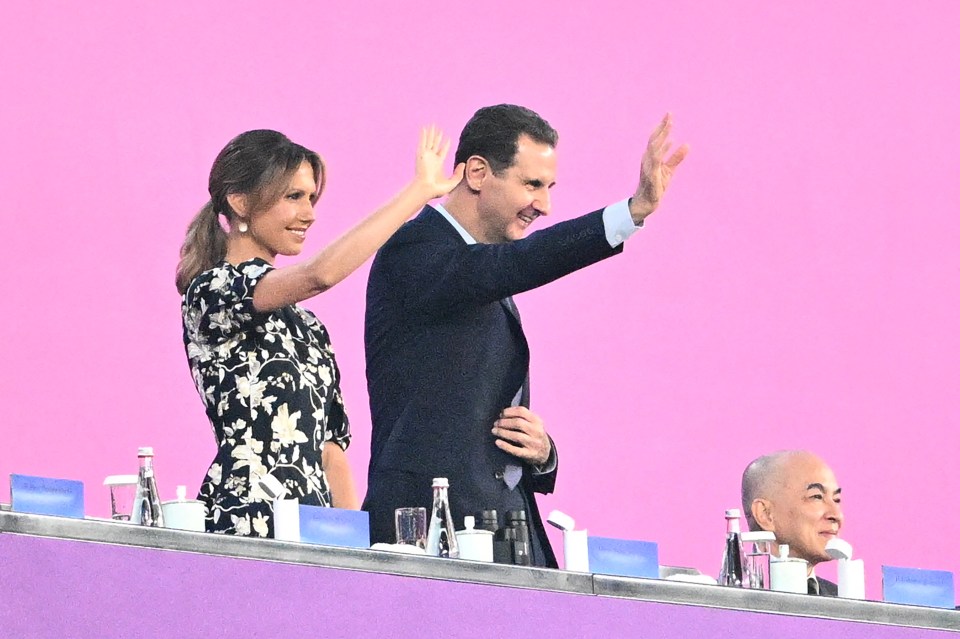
204	247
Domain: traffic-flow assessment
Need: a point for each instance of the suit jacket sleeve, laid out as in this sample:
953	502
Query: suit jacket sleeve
451	273
545	482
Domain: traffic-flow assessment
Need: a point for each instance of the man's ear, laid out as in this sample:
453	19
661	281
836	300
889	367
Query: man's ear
238	202
478	170
762	510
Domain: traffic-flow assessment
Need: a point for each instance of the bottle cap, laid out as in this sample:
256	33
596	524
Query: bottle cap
441	482
469	522
731	513
145	451
181	493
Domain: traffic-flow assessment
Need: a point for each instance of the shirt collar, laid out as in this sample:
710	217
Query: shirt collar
453	222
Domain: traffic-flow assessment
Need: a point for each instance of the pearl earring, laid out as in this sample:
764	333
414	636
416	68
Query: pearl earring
242	227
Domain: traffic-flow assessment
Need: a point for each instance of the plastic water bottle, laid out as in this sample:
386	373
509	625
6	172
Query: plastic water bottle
441	534
731	572
146	503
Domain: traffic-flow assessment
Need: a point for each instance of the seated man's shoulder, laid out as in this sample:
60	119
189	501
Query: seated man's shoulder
827	588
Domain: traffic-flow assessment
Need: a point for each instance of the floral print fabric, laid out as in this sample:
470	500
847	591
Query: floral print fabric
271	388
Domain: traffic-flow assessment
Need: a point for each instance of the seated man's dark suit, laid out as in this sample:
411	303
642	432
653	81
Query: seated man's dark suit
445	354
824	588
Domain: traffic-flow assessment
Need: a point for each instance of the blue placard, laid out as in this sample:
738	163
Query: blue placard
623	557
334	527
918	587
46	496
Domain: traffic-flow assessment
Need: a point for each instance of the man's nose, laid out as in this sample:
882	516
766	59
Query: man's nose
835	514
542	203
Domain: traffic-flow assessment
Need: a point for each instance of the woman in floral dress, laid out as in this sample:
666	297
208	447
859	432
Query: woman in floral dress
263	365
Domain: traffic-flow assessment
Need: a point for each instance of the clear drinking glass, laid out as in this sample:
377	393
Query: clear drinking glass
122	490
411	526
756	570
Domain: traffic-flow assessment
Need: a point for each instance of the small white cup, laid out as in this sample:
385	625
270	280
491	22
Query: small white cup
186	514
850	579
576	555
474	544
788	574
286	519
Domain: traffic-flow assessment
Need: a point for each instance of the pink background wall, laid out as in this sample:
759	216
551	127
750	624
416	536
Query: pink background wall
798	288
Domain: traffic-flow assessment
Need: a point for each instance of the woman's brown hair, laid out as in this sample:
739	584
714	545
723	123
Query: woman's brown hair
258	164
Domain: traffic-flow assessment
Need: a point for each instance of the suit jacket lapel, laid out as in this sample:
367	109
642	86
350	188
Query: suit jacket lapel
512	310
432	216
508	304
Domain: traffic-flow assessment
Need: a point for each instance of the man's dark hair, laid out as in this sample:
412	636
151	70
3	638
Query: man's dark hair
493	132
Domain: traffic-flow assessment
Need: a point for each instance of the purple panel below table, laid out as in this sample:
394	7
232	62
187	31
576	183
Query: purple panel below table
58	588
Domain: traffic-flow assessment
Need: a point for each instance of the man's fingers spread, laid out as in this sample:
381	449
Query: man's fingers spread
677	156
658	130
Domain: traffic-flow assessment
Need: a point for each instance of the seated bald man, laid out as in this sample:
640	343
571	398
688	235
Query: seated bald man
794	495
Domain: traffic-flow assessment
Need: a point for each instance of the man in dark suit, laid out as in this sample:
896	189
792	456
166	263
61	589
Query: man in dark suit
447	360
794	495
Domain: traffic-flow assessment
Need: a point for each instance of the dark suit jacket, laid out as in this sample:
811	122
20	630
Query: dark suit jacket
445	355
827	588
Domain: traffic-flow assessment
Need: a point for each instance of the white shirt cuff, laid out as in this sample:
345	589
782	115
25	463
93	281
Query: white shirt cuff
617	223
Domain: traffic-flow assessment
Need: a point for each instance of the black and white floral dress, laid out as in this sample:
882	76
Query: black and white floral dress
271	388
